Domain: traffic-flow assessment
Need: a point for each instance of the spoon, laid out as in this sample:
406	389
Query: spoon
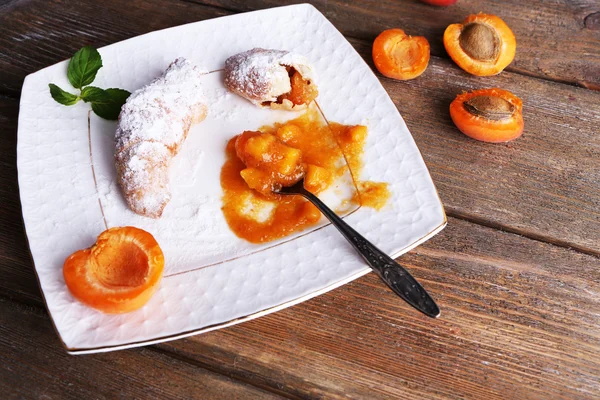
392	273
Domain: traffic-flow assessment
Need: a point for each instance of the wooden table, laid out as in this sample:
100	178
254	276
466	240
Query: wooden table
516	271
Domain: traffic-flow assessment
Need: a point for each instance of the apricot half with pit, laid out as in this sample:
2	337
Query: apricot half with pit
119	273
482	45
489	115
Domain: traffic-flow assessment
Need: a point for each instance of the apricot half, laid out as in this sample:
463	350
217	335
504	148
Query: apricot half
482	45
119	273
489	115
400	56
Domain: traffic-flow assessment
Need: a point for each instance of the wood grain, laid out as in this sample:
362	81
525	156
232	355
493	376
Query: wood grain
557	40
38	33
554	40
520	315
33	365
519	320
15	259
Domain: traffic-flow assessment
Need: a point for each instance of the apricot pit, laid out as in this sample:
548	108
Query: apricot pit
489	115
480	42
482	45
490	107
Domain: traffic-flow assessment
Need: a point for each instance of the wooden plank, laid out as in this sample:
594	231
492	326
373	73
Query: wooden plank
38	33
15	259
558	40
519	320
34	366
558	45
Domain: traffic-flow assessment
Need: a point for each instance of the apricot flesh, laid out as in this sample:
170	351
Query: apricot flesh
400	56
270	163
317	178
405	53
119	273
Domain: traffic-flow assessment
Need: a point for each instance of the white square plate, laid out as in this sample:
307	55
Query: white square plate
212	279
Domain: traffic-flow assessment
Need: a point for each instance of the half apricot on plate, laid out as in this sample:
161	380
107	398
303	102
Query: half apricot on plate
482	45
489	115
400	56
119	273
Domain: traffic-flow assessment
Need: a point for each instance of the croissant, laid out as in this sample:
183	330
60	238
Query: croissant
152	125
271	78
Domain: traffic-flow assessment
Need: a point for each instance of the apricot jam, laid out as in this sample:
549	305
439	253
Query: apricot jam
302	91
270	164
280	155
351	140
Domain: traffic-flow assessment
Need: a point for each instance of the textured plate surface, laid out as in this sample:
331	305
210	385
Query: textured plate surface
201	291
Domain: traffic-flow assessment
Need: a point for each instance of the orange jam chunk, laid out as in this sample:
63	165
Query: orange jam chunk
119	273
303	92
317	178
373	194
270	163
303	144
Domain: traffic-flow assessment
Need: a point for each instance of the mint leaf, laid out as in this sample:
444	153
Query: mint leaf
83	67
107	103
94	94
119	96
61	96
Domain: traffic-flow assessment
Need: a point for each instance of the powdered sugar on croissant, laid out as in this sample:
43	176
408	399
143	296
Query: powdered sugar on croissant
153	124
265	77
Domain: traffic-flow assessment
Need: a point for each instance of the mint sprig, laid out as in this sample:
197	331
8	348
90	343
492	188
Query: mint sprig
82	70
84	66
61	96
91	94
107	103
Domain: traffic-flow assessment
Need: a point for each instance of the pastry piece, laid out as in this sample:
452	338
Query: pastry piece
153	124
271	78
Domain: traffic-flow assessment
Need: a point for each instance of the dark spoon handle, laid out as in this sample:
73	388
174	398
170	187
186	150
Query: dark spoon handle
392	273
